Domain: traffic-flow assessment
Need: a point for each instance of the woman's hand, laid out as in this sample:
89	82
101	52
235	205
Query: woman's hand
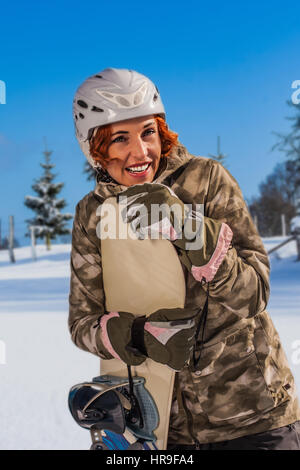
201	242
153	209
166	336
116	337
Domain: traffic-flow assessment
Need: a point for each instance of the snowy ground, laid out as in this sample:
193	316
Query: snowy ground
39	363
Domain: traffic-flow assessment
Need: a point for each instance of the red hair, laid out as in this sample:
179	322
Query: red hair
100	140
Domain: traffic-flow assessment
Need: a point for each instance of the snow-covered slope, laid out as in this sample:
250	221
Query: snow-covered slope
39	363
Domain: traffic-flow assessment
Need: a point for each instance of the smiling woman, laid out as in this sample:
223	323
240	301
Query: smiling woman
193	302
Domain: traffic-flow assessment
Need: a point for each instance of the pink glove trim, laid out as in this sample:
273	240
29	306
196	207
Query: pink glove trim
161	334
209	270
104	335
163	227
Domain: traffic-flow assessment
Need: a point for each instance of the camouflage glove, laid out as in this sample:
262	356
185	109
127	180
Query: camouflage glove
116	337
167	336
202	247
152	209
201	242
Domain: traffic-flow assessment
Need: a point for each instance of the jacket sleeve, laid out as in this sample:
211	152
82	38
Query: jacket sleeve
86	298
241	283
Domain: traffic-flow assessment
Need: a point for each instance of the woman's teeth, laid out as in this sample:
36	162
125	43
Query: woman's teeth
138	169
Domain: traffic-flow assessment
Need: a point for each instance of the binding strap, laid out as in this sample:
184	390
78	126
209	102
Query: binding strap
135	413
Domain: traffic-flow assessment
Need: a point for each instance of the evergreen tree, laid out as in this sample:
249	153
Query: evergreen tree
5	243
276	198
289	144
220	157
49	222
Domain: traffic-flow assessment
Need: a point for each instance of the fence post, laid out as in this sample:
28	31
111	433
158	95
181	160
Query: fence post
298	245
32	236
11	239
283	226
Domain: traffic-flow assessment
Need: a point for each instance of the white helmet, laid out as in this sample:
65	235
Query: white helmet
110	96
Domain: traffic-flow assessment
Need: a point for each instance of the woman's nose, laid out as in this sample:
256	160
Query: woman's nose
138	148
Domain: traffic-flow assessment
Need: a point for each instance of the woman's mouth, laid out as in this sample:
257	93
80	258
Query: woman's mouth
139	170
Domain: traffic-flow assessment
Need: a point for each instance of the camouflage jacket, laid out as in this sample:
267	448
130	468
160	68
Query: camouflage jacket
242	383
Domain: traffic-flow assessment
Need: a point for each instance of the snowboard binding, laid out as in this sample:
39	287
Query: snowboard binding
119	412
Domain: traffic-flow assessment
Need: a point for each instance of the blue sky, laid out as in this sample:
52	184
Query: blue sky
222	69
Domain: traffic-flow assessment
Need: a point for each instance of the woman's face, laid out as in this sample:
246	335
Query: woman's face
134	151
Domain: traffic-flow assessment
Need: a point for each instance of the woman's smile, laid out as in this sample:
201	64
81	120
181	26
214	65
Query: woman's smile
139	170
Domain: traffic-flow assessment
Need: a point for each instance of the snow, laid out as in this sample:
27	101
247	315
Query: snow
39	363
295	223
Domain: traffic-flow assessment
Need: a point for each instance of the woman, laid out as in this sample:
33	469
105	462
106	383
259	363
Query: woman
234	388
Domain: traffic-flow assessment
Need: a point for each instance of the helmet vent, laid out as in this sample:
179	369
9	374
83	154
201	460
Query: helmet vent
155	97
138	98
98	110
82	103
98	76
123	101
130	100
81	115
107	95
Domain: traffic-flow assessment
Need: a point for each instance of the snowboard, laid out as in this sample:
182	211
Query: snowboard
140	277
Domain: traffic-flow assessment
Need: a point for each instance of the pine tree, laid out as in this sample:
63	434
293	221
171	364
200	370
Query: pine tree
289	144
5	243
275	199
49	222
220	157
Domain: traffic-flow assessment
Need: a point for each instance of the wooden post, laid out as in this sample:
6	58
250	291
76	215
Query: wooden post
295	230
48	241
11	239
298	245
283	225
32	236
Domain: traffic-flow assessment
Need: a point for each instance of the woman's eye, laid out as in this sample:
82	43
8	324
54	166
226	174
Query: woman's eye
120	138
149	131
